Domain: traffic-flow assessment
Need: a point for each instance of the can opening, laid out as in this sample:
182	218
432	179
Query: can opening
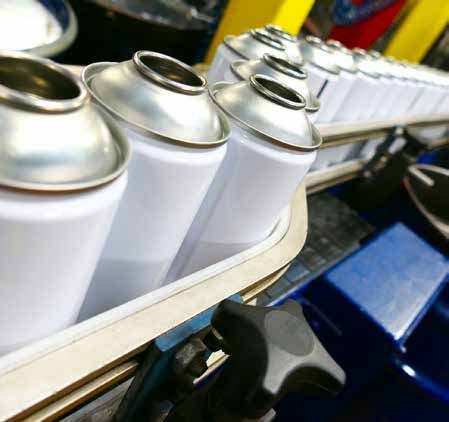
285	66
277	92
170	72
277	30
38	83
267	39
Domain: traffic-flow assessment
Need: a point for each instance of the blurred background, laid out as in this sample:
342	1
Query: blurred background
84	31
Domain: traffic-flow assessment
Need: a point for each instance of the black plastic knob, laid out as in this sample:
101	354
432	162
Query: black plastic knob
272	351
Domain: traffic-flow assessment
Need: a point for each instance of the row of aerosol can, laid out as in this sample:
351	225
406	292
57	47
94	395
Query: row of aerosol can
340	85
105	180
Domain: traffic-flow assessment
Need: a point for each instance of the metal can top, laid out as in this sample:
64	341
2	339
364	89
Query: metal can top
290	42
270	109
53	138
316	52
394	69
159	97
254	44
365	63
285	71
343	56
279	32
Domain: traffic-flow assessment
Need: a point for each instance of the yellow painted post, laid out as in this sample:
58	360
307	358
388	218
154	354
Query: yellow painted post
241	15
421	27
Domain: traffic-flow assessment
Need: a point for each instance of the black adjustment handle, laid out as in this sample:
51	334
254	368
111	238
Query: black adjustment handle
272	351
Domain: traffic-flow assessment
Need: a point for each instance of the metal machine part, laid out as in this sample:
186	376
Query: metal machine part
272	351
427	186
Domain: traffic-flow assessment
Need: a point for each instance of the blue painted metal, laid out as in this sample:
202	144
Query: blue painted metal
156	366
392	281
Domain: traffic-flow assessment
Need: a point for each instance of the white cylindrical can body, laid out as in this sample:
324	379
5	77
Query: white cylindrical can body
443	107
317	78
357	99
223	59
427	102
254	184
333	95
50	245
385	111
167	184
381	95
410	100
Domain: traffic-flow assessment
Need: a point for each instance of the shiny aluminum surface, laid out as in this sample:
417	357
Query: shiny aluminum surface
319	54
285	71
343	56
44	28
160	97
254	44
365	63
289	41
261	101
53	137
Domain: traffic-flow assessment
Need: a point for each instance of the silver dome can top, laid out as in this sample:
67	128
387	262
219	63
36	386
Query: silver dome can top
160	97
254	44
53	137
316	52
270	109
289	41
343	56
365	63
279	32
285	71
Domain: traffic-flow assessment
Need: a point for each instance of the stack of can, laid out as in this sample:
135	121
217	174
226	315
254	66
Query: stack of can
105	181
213	164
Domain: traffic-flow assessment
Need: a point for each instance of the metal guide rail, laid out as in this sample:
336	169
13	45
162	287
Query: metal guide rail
334	134
57	382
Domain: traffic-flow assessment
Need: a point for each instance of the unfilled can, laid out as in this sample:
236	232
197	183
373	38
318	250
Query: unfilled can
249	45
430	95
328	81
288	40
363	92
284	71
271	148
62	175
393	82
348	70
178	137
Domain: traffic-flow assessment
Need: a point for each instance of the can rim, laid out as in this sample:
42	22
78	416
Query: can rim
310	108
266	38
278	31
23	99
197	83
89	73
285	66
316	136
261	84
